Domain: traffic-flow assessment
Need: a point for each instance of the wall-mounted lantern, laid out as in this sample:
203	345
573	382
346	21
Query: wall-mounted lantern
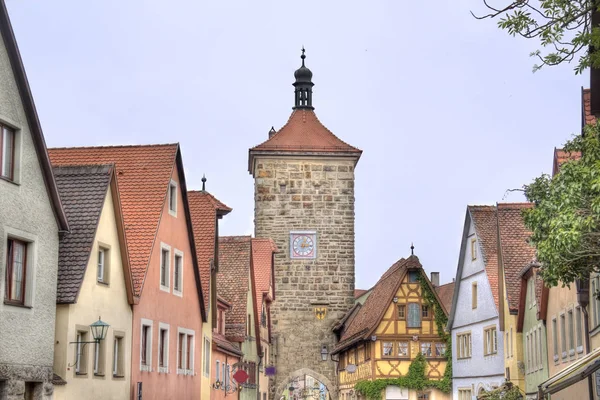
324	353
99	330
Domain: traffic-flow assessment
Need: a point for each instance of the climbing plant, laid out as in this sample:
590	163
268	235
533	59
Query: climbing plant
416	379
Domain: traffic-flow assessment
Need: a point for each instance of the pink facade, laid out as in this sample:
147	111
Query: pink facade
161	308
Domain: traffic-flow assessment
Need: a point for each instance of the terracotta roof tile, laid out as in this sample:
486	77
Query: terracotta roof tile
143	176
516	252
486	226
262	259
232	282
445	293
204	210
223	344
586	99
359	292
82	191
560	157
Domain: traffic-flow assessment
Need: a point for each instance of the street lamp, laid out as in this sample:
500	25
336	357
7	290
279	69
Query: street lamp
99	329
324	353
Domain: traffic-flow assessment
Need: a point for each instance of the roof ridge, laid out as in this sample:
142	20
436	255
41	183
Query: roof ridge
115	146
87	169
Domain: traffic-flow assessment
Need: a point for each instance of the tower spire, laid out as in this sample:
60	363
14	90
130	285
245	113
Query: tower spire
303	85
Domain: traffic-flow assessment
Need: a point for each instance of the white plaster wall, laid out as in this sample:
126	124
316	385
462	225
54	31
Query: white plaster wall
475	384
26	334
478	368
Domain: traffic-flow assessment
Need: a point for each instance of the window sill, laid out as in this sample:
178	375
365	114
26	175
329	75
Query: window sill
118	376
2	178
81	374
173	213
165	289
145	368
16	304
99	375
163	370
177	293
101	283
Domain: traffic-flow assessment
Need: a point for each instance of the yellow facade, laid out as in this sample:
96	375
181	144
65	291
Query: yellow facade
513	347
373	359
109	301
207	329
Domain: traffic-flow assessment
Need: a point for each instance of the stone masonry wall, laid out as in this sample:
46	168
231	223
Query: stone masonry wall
299	195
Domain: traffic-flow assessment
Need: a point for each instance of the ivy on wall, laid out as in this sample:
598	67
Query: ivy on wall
416	379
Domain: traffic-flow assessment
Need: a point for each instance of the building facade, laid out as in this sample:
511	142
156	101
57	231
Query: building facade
31	220
304	201
478	346
94	281
385	335
168	311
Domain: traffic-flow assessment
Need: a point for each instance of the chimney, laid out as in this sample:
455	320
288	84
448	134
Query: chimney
272	132
435	279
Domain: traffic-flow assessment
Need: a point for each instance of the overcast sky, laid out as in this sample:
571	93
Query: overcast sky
445	107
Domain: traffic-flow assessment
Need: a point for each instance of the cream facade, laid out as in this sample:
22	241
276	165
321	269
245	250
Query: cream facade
110	377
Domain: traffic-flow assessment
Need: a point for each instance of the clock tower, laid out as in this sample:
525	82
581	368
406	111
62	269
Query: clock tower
304	201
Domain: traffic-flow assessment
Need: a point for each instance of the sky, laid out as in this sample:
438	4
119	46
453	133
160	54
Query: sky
445	108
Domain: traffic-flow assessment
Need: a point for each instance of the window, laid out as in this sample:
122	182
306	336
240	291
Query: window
563	336
413	276
440	349
206	357
595	302
555	338
474	295
99	358
173	198
528	352
7	152
146	346
425	312
218	371
539	348
103	265
510	348
367	350
463	341
16	271
414	315
464	394
163	348
263	316
578	321
423	396
403	349
221	322
118	369
178	272
185	352
165	256
401	312
571	332
534	355
490	345
473	249
388	348
226	375
81	359
426	349
249	326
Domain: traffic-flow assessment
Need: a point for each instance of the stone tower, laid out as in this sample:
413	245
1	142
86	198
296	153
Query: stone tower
304	201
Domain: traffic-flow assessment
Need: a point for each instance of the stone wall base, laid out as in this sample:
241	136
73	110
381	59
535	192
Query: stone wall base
25	382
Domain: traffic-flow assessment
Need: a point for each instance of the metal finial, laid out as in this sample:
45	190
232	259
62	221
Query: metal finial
412	249
303	56
203	182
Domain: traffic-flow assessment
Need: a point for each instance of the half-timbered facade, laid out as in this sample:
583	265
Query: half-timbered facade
381	338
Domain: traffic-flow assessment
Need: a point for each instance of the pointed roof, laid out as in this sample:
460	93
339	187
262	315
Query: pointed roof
82	190
368	316
515	251
33	120
486	227
445	293
304	134
232	282
262	259
205	209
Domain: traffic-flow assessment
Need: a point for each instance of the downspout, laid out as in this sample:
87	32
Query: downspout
260	360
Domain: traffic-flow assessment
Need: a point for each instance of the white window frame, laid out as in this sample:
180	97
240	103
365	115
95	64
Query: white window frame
218	370
578	329
184	351
555	342
206	356
150	323
178	253
118	355
106	251
31	267
101	260
167	287
165	368
172	186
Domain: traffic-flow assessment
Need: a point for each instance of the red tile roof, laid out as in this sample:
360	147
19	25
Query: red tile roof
486	227
232	282
515	251
586	100
205	209
224	345
303	133
143	176
262	259
359	292
445	293
560	157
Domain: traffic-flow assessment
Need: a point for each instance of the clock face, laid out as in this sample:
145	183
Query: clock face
303	244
